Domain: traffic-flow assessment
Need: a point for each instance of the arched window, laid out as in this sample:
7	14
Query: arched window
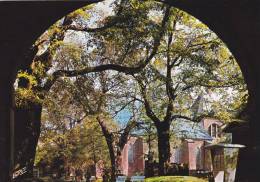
130	154
213	130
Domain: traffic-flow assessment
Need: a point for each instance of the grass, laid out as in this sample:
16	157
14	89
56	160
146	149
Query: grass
174	179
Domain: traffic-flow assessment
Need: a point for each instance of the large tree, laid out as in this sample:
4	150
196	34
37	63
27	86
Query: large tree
170	55
49	63
63	147
191	63
104	96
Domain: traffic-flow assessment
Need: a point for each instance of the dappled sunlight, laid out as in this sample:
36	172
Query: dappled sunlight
122	87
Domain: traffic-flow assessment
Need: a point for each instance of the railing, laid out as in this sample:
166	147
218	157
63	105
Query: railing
137	178
121	179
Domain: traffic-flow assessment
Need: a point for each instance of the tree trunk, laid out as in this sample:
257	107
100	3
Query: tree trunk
163	133
112	159
119	161
109	140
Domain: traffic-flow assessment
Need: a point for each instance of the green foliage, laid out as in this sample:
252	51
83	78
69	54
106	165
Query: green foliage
38	69
31	79
174	179
201	65
78	146
25	97
81	13
51	33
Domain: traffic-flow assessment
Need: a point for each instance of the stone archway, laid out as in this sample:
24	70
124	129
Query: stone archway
235	22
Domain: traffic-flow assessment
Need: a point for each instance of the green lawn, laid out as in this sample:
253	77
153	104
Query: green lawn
175	179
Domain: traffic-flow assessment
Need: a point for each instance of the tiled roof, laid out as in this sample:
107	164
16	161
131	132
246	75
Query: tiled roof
189	130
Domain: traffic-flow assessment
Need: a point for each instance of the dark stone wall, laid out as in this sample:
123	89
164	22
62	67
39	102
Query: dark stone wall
21	23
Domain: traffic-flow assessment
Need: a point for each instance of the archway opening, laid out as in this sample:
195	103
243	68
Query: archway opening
144	61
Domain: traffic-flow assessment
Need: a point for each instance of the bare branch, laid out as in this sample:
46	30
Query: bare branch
184	117
122	108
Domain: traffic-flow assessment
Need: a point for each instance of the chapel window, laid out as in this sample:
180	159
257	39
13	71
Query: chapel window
213	130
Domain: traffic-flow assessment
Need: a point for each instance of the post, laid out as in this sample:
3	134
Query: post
6	131
224	168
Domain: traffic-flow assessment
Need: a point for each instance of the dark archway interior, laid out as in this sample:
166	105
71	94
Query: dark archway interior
235	21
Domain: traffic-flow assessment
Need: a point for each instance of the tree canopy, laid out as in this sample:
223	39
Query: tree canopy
144	59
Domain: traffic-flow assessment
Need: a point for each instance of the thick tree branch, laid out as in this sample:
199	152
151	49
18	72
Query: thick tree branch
169	82
124	69
202	43
217	84
146	102
108	135
126	132
184	117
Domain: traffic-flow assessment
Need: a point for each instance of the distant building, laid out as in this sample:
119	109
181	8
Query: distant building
133	157
192	152
194	137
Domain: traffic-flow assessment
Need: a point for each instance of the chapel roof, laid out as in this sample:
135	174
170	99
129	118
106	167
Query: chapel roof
189	130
